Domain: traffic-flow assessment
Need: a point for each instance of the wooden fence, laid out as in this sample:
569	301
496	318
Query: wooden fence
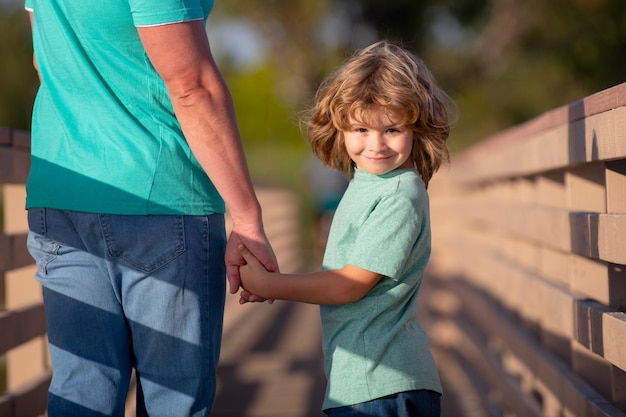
527	283
22	323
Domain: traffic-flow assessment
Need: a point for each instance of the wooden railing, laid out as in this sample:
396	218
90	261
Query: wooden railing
527	282
22	323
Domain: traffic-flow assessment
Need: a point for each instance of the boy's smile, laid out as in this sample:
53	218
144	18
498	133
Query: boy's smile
377	144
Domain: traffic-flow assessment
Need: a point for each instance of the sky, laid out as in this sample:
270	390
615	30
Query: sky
239	40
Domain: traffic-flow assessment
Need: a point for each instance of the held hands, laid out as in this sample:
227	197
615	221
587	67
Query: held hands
252	275
257	245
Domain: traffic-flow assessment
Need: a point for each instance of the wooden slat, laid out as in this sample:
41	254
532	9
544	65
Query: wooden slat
21	140
602	331
14	165
6	136
600	280
29	401
586	188
590	234
18	139
574	393
14	156
615	186
21	325
600	102
13	252
611	230
490	370
600	137
550	305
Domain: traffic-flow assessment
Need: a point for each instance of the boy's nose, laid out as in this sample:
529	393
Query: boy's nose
376	142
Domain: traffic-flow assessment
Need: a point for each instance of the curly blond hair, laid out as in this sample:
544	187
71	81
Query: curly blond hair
388	77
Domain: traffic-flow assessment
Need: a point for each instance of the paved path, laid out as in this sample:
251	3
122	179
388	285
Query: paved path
271	365
271	362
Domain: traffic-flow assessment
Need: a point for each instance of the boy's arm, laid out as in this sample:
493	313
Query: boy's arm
337	286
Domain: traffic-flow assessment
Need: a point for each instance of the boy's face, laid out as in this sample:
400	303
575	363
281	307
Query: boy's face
377	144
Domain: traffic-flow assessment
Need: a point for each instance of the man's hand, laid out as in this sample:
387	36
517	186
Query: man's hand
258	246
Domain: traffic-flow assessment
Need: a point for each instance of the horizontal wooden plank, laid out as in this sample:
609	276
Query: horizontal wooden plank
13	252
600	280
14	156
597	103
593	235
600	137
601	102
489	366
21	325
576	395
611	229
556	265
615	186
21	140
14	165
28	401
14	138
586	188
602	331
613	337
6	136
553	307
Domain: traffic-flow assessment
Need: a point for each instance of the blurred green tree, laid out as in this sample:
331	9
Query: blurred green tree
18	78
503	61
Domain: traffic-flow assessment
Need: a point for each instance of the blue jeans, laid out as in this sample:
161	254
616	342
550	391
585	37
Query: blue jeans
130	291
418	403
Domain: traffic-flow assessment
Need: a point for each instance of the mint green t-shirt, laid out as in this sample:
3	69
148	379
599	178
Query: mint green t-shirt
104	134
375	347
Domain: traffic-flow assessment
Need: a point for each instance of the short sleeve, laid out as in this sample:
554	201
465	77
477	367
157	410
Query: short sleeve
160	12
28	5
386	239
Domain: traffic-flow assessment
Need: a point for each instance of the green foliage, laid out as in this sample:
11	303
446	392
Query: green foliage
270	129
264	118
18	78
502	61
506	61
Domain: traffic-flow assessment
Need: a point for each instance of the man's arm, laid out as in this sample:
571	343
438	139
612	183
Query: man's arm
181	55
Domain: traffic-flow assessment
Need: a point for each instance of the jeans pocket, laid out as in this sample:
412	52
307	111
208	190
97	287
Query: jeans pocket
146	243
43	250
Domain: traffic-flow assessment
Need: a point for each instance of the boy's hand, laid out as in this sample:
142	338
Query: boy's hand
256	242
251	274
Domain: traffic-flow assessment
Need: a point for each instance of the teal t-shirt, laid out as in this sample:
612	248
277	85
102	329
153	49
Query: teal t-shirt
104	134
375	347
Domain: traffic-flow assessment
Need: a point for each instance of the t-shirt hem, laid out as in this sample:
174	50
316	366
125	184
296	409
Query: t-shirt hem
149	25
328	404
193	210
167	17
